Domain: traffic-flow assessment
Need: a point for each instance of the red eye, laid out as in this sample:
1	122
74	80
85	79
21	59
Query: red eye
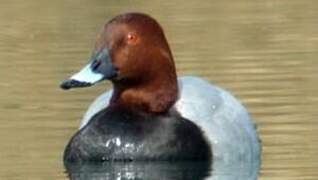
131	38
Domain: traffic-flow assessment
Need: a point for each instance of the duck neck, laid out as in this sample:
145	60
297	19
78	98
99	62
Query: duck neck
152	96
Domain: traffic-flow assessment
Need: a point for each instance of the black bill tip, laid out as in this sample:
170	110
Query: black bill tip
71	83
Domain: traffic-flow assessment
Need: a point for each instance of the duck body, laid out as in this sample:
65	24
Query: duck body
223	121
150	114
117	134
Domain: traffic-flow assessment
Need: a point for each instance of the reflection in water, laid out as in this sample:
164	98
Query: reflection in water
163	171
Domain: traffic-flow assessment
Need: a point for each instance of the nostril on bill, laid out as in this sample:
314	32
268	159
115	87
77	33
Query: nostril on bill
95	64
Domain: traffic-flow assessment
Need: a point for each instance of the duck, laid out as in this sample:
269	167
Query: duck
151	114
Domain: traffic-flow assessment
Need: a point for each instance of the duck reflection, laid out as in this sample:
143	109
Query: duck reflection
161	171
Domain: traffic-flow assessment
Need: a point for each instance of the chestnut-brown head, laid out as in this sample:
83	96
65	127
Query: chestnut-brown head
132	52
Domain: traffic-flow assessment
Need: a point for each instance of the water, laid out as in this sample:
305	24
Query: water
265	52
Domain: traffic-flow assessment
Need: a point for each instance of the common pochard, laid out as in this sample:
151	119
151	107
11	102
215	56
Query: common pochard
150	114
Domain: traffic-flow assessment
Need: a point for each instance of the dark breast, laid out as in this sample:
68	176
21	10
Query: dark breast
116	134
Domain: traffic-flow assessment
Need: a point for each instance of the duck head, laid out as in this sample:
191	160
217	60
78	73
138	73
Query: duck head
132	52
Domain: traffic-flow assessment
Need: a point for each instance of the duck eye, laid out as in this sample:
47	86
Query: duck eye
131	38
